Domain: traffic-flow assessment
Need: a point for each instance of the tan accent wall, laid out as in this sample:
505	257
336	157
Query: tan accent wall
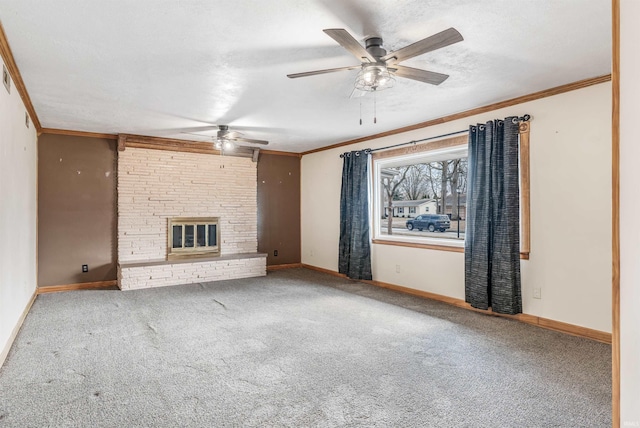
279	208
76	209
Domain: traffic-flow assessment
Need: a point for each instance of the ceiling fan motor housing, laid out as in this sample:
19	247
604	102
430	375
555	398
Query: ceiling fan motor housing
374	47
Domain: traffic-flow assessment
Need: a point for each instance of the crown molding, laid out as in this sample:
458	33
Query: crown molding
279	153
72	133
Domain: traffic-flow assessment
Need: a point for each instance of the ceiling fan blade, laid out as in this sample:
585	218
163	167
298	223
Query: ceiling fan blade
356	93
420	75
248	141
348	42
229	134
195	129
199	135
437	41
328	70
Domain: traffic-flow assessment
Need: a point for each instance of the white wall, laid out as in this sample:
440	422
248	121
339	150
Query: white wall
629	214
17	213
570	212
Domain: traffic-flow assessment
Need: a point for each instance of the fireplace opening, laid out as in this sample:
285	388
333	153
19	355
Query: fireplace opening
193	237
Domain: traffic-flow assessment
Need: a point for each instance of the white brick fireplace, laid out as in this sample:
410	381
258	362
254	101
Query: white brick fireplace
156	185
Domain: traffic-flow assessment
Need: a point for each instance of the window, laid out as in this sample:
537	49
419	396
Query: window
193	237
433	175
432	179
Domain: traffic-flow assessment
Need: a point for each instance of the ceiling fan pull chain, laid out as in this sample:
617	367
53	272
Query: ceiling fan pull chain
361	113
375	114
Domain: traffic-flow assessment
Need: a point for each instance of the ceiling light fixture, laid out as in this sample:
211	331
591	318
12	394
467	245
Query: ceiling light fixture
223	144
374	77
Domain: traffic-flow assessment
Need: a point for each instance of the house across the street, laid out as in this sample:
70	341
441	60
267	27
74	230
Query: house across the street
427	206
413	208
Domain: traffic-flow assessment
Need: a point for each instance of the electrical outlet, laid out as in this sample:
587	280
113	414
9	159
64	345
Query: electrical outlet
537	293
397	268
85	268
275	253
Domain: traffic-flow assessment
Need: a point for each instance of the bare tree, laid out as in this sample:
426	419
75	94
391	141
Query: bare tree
455	195
444	179
391	186
463	169
458	183
414	186
434	182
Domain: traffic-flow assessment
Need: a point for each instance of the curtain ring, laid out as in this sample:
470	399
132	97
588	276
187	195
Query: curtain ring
515	120
481	127
500	122
357	153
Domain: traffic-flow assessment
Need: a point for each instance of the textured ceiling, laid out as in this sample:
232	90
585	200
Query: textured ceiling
165	67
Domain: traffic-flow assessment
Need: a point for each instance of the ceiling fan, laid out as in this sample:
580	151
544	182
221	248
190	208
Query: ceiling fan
228	140
378	68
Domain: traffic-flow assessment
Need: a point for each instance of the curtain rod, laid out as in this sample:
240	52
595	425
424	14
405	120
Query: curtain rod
524	118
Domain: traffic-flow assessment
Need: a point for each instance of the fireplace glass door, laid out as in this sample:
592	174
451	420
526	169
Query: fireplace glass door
193	237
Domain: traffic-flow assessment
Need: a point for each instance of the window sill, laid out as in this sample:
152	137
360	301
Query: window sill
524	255
429	246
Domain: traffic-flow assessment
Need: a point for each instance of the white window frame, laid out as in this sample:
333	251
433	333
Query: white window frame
452	151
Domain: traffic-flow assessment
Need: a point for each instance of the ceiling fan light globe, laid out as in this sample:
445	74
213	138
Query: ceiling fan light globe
374	78
228	145
368	77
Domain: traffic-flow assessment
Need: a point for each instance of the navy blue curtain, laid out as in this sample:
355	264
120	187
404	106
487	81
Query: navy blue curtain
355	248
492	239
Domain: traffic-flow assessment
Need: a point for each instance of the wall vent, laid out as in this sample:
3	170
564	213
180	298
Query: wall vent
6	78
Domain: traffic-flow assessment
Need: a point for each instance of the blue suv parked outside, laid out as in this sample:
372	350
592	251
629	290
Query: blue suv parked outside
431	222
